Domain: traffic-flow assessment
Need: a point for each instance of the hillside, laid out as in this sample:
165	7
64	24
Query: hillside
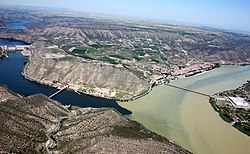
37	124
94	78
115	58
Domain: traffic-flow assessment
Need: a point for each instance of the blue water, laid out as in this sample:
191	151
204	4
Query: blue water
10	75
11	42
19	24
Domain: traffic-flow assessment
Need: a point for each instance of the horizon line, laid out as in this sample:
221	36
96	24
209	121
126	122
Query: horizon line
98	14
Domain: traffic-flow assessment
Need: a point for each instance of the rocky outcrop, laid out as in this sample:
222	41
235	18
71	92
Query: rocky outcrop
92	77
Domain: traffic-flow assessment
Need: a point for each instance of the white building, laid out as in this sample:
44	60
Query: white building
238	101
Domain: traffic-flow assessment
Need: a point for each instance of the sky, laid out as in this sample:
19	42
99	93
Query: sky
223	14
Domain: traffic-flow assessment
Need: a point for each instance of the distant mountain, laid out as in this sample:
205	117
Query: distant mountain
128	50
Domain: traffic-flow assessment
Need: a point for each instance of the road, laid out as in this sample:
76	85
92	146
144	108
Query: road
55	128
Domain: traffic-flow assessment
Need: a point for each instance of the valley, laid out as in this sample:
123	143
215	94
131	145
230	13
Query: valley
143	51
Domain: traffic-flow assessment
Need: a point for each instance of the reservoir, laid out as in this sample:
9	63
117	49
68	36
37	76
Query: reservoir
188	118
184	117
11	42
10	76
17	24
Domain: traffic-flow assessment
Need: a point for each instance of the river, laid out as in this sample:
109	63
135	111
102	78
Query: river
188	118
10	75
11	42
183	117
18	24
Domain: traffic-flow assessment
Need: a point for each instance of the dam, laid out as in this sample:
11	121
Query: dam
7	45
5	48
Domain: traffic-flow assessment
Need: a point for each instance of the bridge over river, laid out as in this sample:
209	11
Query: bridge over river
189	90
60	90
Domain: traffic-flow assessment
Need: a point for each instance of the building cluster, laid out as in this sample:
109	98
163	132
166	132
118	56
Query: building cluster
191	70
176	72
237	102
60	86
160	69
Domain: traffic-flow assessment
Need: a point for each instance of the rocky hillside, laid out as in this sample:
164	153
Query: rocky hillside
36	124
180	44
5	94
117	58
25	122
95	78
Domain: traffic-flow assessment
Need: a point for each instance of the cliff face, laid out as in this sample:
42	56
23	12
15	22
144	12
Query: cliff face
37	124
95	78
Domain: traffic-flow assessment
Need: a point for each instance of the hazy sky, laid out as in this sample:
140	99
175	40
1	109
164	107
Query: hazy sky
225	14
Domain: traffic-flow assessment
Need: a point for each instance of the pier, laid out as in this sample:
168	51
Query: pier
60	90
189	90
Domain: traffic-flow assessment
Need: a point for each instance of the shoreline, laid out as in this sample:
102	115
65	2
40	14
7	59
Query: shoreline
149	89
161	81
81	92
227	113
179	109
226	119
151	86
145	92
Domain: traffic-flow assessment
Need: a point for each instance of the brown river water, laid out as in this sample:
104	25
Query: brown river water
188	118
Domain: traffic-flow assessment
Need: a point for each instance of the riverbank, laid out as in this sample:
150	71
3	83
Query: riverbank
75	88
46	72
12	78
110	94
237	115
188	118
81	88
